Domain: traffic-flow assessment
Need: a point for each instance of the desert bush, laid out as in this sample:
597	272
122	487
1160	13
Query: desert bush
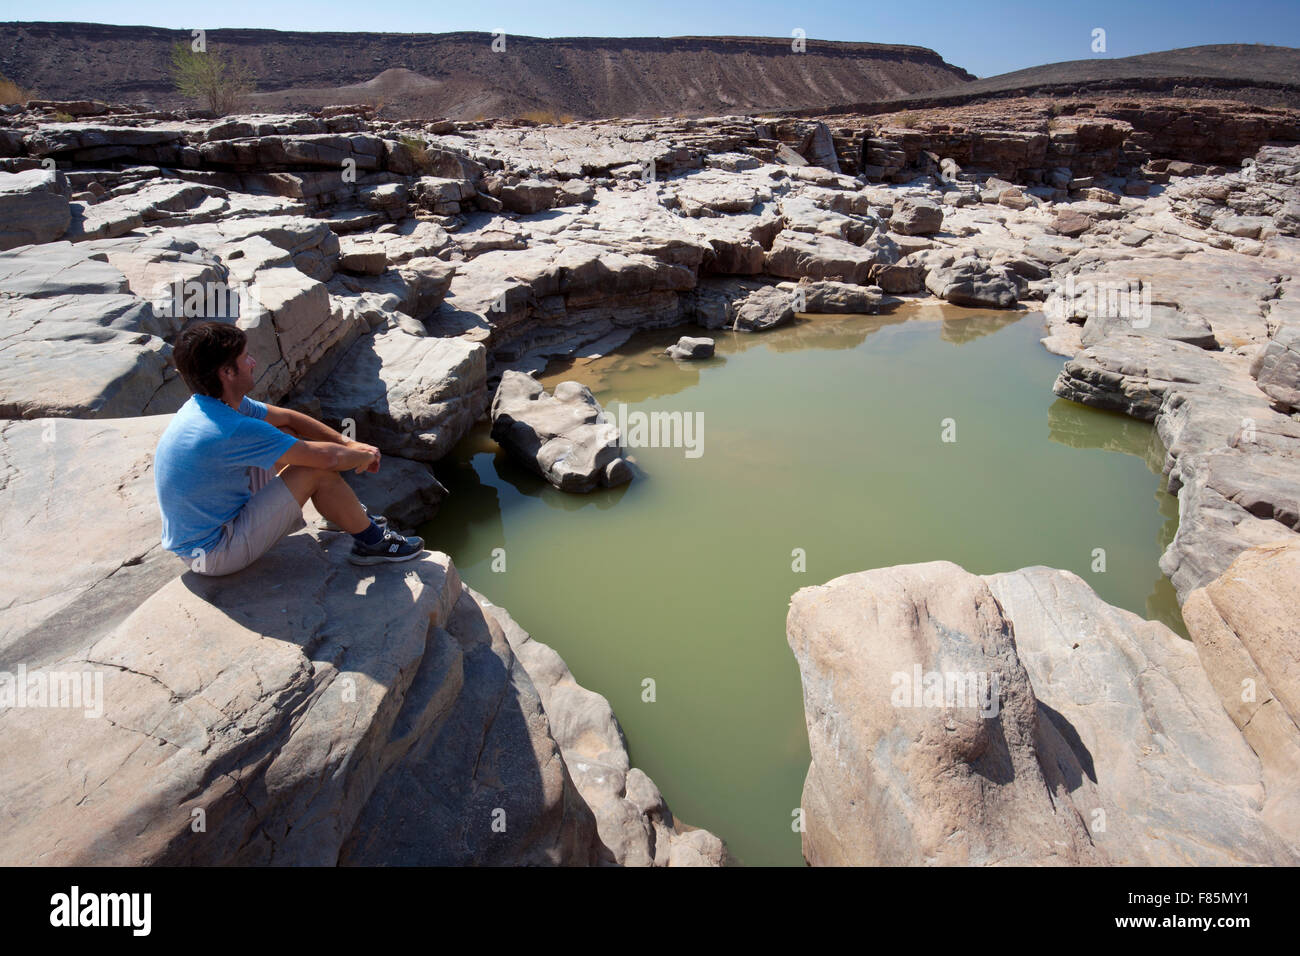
419	152
210	78
11	92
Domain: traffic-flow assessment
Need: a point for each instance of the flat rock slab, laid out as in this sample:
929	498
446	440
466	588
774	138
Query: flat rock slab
53	474
1159	321
285	712
68	370
1131	373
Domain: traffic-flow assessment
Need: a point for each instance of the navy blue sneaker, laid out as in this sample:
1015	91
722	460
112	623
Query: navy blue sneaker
392	547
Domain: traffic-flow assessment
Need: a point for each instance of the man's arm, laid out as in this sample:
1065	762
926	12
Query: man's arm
320	446
330	456
304	426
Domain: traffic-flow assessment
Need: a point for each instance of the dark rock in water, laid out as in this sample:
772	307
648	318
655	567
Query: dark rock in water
691	348
563	437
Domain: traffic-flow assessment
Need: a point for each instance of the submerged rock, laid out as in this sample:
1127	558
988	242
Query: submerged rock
563	437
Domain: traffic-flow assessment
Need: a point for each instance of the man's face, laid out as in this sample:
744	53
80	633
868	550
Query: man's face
241	377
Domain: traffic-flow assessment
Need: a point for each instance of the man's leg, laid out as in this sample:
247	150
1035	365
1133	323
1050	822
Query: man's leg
269	515
331	495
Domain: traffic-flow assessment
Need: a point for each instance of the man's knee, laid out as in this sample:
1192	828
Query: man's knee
305	481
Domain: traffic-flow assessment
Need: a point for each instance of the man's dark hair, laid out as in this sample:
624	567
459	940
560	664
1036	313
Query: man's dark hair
203	350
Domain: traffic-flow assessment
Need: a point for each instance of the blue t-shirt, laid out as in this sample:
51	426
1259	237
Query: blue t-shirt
200	468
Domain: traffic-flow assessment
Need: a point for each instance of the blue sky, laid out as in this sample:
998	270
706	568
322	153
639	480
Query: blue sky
986	38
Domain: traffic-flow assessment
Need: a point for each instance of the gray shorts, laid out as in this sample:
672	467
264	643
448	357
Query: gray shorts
268	516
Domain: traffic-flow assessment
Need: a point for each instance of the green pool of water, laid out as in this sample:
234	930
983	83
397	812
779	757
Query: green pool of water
823	439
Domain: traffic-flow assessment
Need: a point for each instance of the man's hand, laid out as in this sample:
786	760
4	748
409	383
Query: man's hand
373	465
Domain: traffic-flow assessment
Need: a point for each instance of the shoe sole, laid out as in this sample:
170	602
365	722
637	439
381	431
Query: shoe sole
382	558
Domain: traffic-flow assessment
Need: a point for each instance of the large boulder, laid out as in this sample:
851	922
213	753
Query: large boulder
795	255
836	298
718	303
764	308
529	196
916	217
563	437
1013	719
975	282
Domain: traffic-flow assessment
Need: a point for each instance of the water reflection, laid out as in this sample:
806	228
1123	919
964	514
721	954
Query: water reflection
1080	427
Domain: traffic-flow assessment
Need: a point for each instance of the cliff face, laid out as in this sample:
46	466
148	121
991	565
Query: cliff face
459	75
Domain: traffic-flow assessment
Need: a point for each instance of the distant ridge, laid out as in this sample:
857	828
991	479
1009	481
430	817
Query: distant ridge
458	75
1252	73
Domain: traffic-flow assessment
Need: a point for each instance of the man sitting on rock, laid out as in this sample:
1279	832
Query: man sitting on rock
233	474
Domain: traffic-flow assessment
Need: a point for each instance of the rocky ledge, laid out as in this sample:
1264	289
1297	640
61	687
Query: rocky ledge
301	712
